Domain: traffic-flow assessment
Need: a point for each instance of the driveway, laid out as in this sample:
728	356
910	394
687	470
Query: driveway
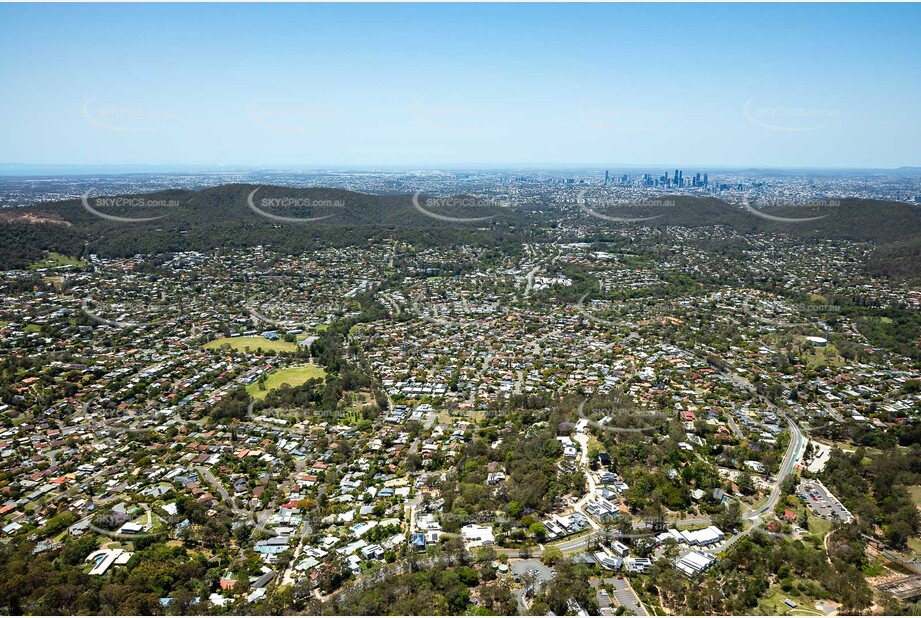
519	567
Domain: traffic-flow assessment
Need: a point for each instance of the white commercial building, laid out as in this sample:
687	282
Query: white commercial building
695	562
475	535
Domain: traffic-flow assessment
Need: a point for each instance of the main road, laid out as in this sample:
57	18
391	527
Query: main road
794	450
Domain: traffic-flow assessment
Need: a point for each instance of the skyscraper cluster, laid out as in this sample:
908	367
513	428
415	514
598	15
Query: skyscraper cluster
677	181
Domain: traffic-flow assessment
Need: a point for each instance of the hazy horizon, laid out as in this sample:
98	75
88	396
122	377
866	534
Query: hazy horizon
38	169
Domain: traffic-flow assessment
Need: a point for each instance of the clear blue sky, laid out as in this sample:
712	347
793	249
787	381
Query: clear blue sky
437	85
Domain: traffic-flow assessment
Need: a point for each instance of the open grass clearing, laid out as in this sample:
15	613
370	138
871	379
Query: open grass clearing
54	260
292	376
252	344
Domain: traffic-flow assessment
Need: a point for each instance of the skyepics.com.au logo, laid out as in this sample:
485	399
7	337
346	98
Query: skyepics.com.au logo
618	527
110	419
293	118
263	312
622	119
455	314
781	202
482	517
591	206
457	119
133	203
129	314
788	119
628	314
130	119
622	419
291	203
284	416
588	315
773	314
118	525
299	202
436	207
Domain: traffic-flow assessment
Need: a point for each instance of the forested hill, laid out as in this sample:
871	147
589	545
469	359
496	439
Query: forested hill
849	219
298	219
289	220
893	227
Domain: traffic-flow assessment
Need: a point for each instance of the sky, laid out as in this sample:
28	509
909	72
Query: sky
441	85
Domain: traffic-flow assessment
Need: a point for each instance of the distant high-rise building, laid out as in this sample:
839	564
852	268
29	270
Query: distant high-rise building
606	176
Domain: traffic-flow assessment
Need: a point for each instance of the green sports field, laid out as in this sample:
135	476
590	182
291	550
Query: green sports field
292	376
243	344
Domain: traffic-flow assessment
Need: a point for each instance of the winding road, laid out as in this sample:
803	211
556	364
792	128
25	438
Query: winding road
791	456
